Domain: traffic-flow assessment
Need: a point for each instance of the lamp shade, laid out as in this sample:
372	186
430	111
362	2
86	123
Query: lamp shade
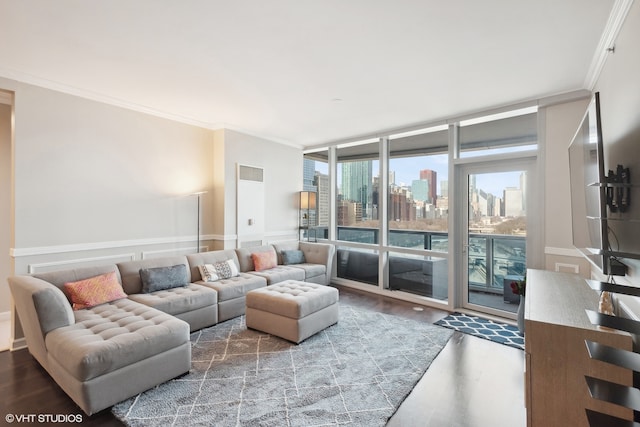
307	200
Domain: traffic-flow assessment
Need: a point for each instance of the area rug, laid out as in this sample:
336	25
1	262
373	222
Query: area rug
354	373
484	328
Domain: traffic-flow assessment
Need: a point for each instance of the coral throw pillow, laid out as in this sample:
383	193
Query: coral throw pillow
264	260
94	291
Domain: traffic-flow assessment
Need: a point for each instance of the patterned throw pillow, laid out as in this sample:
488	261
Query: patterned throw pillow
264	260
292	257
218	271
94	291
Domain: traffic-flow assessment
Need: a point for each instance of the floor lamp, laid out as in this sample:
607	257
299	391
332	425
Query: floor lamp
198	194
307	202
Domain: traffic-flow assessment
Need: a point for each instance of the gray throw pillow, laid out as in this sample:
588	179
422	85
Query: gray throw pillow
159	278
292	257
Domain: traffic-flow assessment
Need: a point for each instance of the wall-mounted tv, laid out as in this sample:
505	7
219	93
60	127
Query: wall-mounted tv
588	190
606	225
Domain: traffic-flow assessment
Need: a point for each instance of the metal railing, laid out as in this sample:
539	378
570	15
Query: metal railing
492	257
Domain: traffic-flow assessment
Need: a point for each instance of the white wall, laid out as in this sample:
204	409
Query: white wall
88	172
619	87
561	122
282	176
90	175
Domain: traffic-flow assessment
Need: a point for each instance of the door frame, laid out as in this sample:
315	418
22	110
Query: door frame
534	224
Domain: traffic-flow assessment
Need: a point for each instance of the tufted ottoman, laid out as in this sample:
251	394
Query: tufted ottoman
291	309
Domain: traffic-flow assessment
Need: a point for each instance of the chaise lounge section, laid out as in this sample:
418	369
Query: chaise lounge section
103	354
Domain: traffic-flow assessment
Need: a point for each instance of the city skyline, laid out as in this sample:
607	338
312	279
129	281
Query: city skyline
408	169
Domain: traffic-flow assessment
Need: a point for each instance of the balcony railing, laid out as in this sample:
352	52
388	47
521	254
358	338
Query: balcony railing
494	259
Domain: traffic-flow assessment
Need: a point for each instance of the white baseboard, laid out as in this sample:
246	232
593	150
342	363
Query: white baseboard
18	344
5	316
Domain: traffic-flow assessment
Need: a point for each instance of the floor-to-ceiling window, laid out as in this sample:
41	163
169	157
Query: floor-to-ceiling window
391	203
315	222
357	207
418	212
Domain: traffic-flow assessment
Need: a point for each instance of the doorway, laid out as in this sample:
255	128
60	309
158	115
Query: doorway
495	233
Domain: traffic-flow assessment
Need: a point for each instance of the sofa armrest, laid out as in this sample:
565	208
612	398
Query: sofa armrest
318	253
41	307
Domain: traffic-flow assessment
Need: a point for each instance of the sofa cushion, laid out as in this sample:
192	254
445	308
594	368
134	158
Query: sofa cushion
280	273
94	290
236	286
110	336
312	270
292	257
178	300
219	270
264	260
161	278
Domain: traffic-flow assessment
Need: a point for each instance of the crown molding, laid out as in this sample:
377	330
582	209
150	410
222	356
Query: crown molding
106	99
618	14
6	97
101	97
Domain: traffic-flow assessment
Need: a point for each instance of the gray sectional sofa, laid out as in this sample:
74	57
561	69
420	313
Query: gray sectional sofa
111	351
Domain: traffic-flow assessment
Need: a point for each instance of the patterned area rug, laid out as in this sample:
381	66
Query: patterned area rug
354	373
484	328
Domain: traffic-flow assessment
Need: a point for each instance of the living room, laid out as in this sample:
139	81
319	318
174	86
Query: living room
93	177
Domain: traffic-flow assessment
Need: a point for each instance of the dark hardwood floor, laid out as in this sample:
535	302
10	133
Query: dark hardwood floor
472	382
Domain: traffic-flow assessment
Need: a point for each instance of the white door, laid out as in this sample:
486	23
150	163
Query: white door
250	206
495	232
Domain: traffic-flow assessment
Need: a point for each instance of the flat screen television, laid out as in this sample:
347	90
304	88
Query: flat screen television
588	189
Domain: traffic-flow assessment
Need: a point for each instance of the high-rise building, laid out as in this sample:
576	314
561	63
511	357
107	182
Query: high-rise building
322	183
432	177
357	183
420	190
513	202
308	184
348	213
483	205
308	175
401	206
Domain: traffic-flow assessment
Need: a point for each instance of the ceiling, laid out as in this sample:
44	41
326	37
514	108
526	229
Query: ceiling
305	72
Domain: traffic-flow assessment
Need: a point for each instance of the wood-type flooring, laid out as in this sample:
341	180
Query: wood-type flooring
472	382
